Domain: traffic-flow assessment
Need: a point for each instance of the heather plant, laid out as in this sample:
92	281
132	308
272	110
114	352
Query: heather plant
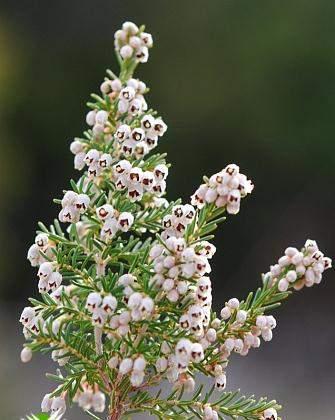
126	297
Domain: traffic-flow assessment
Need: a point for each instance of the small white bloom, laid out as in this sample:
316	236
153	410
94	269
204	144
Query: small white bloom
45	270
197	352
113	362
46	403
126	51
109	304
98	402
225	313
233	303
125	221
26	355
90	117
126	366
221	381
93	301
105	211
139	364
241	316
270	414
101	117
58	406
136	378
135	300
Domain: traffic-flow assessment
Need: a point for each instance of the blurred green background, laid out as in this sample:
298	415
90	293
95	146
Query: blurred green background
251	82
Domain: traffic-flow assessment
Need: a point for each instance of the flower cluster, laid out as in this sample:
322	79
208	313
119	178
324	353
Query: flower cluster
55	405
78	149
248	329
73	205
40	250
174	260
225	188
299	268
31	321
141	306
137	182
100	307
175	224
96	162
120	323
209	413
89	397
139	141
49	279
132	43
113	221
135	368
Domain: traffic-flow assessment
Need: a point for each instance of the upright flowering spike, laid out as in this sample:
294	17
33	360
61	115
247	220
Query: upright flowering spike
126	285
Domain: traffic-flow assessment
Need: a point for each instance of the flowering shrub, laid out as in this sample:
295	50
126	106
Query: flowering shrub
126	297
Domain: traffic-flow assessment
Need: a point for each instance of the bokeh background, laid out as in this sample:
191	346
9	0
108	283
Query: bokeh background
251	82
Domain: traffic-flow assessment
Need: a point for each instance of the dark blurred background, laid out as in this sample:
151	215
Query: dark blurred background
251	82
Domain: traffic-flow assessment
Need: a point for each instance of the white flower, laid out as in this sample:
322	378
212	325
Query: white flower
92	156
85	400
58	406
109	304
123	132
211	335
93	301
26	355
241	316
183	349
197	352
126	366
45	270
82	202
130	28
147	306
41	240
225	313
161	172
79	161
135	300
46	403
139	364
283	285
99	317
233	303
34	255
109	228
27	315
90	117
128	93
101	117
136	378
54	280
105	160
104	212
221	381
159	127
270	414
98	402
161	364
125	221
142	54
126	51
113	362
